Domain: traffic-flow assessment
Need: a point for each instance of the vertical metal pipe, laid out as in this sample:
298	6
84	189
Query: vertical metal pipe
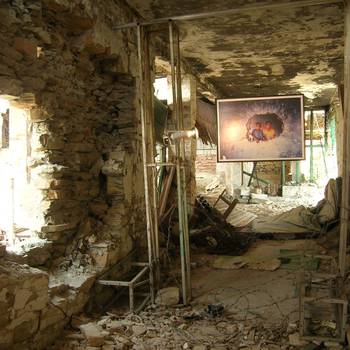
178	165
144	160
155	226
297	172
150	123
183	169
283	180
311	146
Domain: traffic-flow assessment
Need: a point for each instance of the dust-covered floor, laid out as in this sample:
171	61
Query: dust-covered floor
254	298
260	309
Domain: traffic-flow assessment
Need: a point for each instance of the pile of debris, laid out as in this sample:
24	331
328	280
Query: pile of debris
210	230
177	328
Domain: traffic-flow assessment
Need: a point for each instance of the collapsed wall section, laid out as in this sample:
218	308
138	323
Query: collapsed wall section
80	78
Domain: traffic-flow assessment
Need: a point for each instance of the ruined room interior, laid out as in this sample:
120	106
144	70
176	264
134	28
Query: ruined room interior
129	219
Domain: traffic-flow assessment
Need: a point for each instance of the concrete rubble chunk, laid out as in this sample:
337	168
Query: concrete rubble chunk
168	296
92	334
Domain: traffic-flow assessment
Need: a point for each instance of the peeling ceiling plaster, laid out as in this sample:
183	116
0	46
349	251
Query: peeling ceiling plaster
266	52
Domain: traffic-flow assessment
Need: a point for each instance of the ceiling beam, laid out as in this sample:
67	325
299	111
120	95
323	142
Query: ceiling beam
240	9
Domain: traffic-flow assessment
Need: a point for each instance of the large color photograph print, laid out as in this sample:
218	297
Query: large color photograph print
261	128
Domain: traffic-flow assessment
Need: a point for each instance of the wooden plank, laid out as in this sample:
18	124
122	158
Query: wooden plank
221	194
230	208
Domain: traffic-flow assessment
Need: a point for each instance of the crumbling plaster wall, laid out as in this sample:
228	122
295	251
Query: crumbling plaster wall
85	160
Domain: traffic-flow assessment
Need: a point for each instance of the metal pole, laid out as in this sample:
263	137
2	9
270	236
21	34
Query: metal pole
144	160
283	172
183	171
178	165
237	10
297	171
150	124
311	146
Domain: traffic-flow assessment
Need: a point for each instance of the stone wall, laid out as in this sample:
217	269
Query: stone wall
23	297
85	144
61	60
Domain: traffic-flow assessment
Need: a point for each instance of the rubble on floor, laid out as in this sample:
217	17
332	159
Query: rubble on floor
302	219
231	309
176	328
274	205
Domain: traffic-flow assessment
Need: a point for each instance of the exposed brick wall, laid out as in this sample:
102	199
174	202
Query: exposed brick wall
206	163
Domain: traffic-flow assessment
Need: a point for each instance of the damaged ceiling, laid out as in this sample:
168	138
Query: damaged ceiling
284	50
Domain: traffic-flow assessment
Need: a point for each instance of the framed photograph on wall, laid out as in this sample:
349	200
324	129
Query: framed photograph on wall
261	128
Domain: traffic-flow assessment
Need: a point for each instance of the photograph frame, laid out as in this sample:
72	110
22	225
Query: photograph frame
253	99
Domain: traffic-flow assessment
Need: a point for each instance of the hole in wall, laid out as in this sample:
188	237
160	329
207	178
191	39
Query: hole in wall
19	197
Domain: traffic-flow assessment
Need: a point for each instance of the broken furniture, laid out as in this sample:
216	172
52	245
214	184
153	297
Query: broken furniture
211	231
224	197
135	281
322	305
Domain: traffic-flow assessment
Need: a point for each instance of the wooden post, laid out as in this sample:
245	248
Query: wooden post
344	210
